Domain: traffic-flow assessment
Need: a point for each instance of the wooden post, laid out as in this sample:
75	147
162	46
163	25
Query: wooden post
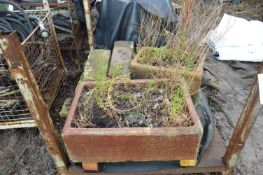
188	5
21	72
244	126
88	18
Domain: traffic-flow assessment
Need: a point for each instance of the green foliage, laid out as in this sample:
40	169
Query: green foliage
102	83
116	70
150	87
181	38
153	53
166	57
177	103
100	73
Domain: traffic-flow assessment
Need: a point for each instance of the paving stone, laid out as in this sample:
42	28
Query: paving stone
65	108
122	55
97	64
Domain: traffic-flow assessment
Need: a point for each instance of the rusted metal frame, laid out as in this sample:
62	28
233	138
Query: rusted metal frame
18	124
67	5
73	27
243	127
63	67
52	4
21	72
48	17
52	27
188	5
89	26
33	32
32	11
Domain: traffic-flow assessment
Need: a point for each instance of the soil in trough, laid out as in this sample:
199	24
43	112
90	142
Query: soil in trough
132	106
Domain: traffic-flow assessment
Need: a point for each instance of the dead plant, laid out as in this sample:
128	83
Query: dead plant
178	46
156	104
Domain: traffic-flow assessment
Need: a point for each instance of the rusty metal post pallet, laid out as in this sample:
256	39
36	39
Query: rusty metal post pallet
23	75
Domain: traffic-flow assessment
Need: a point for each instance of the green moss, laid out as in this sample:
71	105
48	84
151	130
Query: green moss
102	83
177	103
150	87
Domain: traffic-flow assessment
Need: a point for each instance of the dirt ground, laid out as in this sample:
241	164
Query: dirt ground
227	84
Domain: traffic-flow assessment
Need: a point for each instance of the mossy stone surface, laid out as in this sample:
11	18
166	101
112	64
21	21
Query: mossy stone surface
122	55
97	60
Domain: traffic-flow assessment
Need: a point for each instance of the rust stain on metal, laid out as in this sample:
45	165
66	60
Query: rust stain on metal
131	144
30	90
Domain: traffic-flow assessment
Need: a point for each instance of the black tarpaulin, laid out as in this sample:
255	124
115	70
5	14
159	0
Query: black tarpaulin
120	19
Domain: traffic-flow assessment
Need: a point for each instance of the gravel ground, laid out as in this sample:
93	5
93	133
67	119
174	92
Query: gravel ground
23	152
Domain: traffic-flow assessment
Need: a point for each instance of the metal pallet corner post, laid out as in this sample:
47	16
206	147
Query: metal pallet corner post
23	75
243	127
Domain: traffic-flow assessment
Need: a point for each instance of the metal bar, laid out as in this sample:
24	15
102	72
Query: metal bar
73	27
18	124
244	126
52	27
21	72
32	33
52	4
32	11
86	5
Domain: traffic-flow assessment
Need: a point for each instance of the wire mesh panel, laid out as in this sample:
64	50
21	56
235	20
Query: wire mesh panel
12	104
45	61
